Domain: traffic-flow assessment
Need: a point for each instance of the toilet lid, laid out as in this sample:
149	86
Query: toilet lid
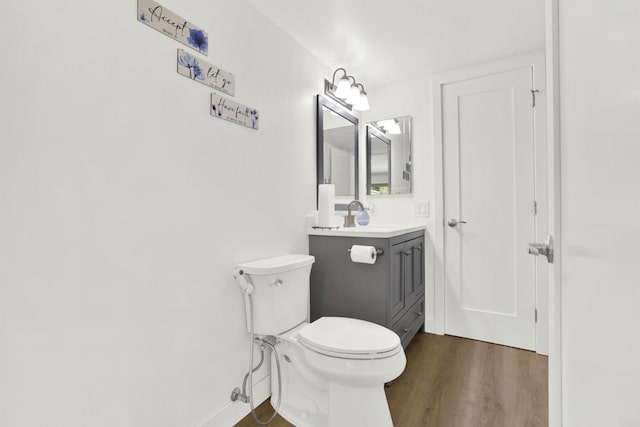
349	338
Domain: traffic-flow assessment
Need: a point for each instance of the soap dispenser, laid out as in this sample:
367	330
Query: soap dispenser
362	217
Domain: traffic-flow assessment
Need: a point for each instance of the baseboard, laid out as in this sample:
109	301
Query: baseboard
430	326
235	411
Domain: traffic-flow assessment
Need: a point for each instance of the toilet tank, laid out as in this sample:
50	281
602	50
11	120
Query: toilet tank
281	295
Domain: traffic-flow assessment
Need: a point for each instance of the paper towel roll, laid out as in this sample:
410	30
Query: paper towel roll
364	254
326	205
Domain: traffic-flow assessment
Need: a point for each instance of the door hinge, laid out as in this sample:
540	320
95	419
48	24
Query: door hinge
535	207
535	315
533	97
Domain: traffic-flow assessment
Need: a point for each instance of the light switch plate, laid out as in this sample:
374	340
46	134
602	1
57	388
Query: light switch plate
422	209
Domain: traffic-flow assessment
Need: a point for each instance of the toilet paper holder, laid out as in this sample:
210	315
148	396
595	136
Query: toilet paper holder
379	251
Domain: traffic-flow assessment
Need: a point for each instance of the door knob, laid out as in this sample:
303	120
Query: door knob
453	222
545	249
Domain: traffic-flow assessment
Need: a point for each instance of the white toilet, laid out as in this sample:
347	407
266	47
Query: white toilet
332	370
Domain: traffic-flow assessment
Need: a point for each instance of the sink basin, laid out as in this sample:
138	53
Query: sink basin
372	230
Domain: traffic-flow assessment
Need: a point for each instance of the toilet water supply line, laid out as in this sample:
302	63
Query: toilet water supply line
248	288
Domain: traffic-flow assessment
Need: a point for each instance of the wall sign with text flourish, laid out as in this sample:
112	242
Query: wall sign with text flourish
205	73
161	19
232	111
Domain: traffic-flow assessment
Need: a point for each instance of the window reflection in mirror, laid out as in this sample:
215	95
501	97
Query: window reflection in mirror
337	148
378	161
396	134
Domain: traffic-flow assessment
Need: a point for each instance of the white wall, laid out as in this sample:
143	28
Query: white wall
409	98
124	207
600	149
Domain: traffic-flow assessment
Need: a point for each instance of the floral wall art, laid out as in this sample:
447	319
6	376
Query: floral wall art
190	66
205	73
161	19
232	111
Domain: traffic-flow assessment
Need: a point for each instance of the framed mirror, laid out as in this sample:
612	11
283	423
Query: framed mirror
337	148
389	157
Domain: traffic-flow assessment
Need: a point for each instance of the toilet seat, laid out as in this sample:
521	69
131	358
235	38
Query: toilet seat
347	338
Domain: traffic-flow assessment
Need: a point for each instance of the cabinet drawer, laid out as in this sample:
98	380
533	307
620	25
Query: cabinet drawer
409	324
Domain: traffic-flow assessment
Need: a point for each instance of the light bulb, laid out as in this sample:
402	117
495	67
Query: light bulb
343	88
394	129
363	102
386	123
354	95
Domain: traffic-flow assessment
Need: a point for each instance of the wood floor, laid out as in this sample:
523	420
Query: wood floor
456	382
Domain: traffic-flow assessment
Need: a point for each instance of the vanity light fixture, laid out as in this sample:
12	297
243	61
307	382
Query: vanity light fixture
390	126
348	92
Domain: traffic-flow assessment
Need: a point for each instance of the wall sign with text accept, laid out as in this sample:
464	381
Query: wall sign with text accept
232	111
161	19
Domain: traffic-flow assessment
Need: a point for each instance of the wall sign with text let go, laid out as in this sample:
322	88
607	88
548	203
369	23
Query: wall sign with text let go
232	111
161	19
208	74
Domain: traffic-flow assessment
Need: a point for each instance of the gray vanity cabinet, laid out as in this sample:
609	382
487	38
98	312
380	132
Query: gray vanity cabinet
407	275
389	292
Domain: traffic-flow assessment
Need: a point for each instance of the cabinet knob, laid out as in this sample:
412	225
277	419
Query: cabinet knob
405	330
418	314
407	253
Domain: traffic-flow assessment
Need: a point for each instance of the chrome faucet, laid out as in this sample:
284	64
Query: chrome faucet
349	220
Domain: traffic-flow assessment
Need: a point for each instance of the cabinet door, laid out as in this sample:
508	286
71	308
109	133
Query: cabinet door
397	288
414	270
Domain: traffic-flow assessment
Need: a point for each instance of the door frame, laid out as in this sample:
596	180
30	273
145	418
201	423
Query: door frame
537	61
552	53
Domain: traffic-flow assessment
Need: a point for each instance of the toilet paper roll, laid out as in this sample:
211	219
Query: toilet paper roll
326	205
364	254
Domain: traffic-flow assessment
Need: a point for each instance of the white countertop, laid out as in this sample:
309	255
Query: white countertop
371	230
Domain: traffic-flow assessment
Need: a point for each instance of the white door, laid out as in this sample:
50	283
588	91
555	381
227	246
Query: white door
489	175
